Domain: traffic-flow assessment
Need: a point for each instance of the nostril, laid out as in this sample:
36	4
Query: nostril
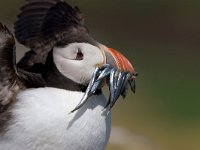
79	55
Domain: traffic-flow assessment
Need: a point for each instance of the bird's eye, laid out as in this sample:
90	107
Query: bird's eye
79	55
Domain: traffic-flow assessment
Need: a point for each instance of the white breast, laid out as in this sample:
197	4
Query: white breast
42	121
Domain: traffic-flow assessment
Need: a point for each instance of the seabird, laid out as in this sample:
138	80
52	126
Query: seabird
52	98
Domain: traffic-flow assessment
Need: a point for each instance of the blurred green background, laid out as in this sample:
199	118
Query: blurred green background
162	39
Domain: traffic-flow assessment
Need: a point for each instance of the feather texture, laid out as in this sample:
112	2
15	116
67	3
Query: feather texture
12	79
43	24
42	121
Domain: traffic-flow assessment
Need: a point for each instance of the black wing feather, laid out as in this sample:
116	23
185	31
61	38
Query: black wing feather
42	24
38	19
7	54
12	79
34	12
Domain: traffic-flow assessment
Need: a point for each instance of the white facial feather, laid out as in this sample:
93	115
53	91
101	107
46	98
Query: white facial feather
79	71
42	121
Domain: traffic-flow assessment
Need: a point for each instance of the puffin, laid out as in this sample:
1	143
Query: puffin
52	99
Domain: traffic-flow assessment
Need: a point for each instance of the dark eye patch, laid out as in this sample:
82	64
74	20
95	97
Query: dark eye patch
79	55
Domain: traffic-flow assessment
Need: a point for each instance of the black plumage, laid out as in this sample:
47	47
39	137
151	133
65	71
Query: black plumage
13	79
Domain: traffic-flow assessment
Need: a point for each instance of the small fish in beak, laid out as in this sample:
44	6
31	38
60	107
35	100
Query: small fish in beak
119	73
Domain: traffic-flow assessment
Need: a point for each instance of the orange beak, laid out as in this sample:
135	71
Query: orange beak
117	60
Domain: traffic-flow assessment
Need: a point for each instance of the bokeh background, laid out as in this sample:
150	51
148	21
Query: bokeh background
162	39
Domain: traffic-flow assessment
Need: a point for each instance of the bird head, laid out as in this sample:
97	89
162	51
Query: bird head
78	61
